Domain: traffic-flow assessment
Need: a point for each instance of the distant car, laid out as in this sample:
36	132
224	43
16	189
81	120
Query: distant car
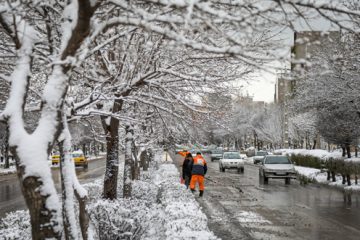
259	156
216	154
193	152
55	159
250	152
276	166
178	149
231	160
79	159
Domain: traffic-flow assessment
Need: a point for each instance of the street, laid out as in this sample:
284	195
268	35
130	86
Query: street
239	208
11	198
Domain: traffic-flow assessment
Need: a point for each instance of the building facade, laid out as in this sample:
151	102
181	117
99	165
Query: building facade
306	45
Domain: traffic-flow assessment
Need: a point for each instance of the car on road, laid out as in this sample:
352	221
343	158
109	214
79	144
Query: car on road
79	159
216	154
77	156
55	159
231	160
276	166
259	156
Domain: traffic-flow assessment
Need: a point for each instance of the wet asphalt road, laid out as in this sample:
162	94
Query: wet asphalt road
11	198
238	207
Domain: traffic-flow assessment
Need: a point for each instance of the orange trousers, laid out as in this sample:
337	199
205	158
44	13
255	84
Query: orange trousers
197	179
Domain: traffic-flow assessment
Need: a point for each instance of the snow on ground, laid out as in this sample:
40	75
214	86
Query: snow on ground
251	217
308	172
161	208
322	154
321	177
4	171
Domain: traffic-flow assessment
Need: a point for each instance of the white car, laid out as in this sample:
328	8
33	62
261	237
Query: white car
216	154
231	160
259	156
276	166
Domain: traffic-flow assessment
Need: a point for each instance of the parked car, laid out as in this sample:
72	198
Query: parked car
231	160
259	156
216	154
79	159
275	166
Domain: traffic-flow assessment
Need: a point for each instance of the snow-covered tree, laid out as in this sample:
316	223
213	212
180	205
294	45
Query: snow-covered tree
32	26
48	42
268	126
302	129
339	126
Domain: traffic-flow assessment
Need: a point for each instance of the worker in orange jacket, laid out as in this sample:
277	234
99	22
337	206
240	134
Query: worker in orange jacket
184	152
198	171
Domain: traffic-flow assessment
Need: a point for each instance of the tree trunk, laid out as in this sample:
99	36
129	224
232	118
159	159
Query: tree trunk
135	170
64	190
83	215
84	149
343	178
112	160
333	176
40	214
6	153
314	146
348	151
348	179
128	162
71	188
356	151
144	160
356	179
328	176
343	151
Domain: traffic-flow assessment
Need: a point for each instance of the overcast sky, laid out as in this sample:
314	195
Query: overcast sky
263	88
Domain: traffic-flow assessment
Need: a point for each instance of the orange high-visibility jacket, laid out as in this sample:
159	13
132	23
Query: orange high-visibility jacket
183	153
199	166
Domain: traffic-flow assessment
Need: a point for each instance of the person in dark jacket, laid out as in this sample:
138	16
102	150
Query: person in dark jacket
186	169
198	171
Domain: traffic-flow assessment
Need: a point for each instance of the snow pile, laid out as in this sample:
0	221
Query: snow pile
310	173
321	154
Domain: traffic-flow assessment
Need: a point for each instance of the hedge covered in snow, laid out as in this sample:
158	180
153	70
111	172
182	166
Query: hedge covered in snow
161	208
332	162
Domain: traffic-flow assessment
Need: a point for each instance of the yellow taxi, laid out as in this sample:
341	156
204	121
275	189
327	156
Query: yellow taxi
79	159
55	159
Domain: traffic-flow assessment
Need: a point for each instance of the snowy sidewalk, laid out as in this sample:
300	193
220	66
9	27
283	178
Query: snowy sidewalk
166	158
